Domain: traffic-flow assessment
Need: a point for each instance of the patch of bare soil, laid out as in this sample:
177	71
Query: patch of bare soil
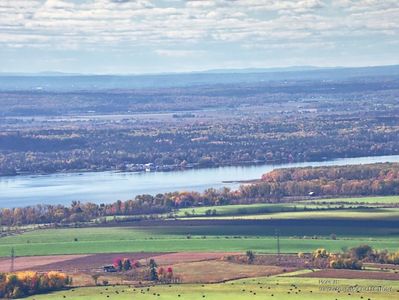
286	260
88	263
220	271
68	263
24	263
92	262
181	257
352	274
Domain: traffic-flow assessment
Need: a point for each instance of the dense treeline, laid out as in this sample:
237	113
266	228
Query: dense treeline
353	172
51	101
23	284
352	258
128	147
278	185
197	126
360	180
141	205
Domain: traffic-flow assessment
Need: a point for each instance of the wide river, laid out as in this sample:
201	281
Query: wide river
101	187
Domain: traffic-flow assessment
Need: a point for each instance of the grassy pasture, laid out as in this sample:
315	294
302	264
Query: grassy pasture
211	237
359	200
306	205
300	231
281	288
261	209
363	204
356	200
356	213
248	209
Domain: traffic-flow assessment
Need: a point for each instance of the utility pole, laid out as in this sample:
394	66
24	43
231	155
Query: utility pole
12	260
278	243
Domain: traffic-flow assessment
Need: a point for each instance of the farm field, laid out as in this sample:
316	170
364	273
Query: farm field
269	211
244	209
68	263
255	235
356	213
277	287
305	205
227	210
365	200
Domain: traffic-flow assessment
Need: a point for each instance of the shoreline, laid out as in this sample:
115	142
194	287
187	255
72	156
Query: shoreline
171	168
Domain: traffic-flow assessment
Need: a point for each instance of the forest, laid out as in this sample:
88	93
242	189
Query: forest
373	179
168	129
23	284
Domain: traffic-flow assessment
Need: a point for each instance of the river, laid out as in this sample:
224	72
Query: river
102	187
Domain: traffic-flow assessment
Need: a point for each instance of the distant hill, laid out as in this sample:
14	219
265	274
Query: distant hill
59	81
39	74
263	70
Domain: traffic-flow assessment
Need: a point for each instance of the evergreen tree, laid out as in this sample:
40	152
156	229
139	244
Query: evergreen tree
153	270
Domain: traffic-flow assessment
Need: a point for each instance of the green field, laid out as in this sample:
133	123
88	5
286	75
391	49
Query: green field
352	204
365	200
248	209
355	213
279	288
363	208
302	228
255	237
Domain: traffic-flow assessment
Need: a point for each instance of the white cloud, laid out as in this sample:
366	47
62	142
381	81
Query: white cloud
366	5
120	23
179	53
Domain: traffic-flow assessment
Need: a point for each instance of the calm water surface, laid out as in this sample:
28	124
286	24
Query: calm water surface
101	187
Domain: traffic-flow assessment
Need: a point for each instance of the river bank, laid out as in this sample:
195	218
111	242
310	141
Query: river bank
109	186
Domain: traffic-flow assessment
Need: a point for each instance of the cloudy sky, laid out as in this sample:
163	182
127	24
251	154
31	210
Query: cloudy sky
146	36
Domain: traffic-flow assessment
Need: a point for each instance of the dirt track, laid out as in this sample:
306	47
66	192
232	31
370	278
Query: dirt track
352	274
182	257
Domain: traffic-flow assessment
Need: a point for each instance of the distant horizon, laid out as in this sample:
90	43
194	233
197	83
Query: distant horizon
290	68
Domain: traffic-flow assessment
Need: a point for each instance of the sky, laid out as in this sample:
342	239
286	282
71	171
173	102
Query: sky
156	36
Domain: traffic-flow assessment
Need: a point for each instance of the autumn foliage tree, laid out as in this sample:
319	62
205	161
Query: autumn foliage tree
353	258
118	264
22	284
166	275
124	264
